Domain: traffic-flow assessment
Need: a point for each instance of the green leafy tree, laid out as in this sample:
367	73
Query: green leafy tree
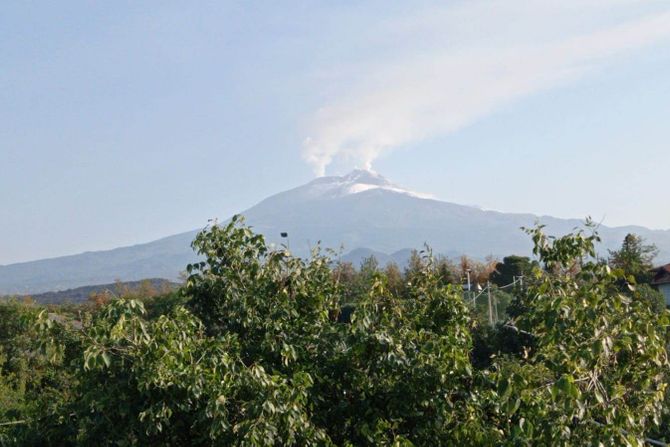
511	268
394	279
415	265
368	271
346	277
446	271
634	258
596	374
34	377
254	353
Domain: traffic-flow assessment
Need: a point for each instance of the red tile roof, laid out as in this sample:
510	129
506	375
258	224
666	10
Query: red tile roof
661	275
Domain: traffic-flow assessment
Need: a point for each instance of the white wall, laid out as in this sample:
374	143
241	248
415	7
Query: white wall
665	290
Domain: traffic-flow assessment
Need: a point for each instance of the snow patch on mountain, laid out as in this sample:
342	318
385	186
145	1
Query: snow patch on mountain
357	181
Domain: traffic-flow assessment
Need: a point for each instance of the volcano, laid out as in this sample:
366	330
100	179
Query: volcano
358	214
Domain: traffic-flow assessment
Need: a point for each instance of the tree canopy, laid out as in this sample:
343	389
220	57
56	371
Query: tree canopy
635	258
253	352
510	269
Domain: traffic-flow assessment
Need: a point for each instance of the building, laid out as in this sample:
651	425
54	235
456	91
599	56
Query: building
662	281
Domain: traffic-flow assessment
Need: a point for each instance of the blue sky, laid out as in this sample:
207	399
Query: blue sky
122	122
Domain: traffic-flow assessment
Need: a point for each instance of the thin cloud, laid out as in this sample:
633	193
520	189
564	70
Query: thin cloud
467	71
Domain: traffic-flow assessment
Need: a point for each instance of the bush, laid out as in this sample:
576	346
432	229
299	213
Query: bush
257	351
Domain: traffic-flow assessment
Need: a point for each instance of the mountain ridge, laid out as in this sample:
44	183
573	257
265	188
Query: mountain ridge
361	210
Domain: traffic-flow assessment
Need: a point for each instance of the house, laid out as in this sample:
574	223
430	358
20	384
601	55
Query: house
661	281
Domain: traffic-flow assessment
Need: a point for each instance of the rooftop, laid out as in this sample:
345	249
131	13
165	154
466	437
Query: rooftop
661	275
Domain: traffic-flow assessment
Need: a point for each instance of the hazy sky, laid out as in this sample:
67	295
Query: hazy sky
122	122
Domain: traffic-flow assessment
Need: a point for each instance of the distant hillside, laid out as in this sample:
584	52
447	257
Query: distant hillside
361	209
164	258
82	294
400	257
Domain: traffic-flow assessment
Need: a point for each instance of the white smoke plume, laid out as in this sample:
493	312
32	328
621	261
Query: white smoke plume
454	66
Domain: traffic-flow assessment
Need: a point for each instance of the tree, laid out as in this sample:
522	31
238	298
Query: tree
367	273
346	276
256	355
479	271
594	348
35	378
446	271
394	279
510	268
258	358
415	265
634	258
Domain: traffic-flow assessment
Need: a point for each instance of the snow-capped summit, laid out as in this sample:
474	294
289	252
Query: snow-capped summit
366	176
355	182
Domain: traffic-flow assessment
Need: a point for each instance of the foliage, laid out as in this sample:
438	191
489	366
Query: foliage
597	371
33	383
511	268
500	303
492	342
651	296
257	350
366	375
480	272
635	258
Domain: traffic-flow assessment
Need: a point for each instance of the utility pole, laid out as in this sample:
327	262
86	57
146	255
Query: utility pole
488	289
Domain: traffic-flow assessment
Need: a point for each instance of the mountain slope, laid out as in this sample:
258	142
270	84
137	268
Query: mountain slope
163	258
83	293
386	218
361	209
